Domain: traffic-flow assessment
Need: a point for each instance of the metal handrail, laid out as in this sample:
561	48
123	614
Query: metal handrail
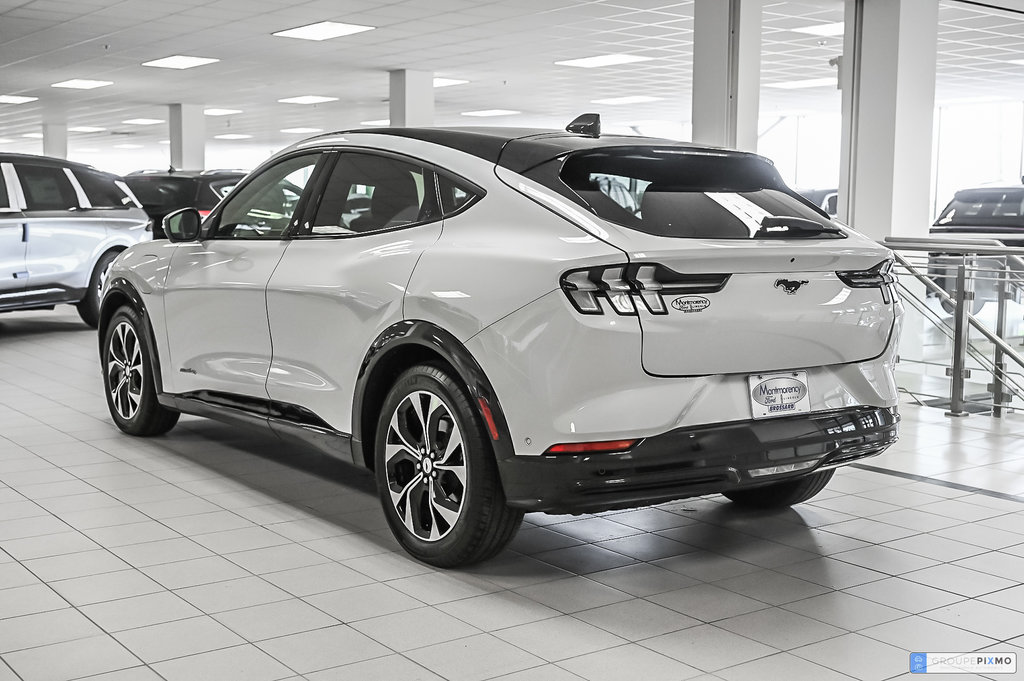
1004	381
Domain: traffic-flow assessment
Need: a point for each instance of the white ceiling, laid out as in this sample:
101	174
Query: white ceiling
506	49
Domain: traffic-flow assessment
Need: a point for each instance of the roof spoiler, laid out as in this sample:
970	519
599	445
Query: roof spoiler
588	124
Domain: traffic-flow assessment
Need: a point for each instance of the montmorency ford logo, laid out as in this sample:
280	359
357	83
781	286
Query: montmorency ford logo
691	304
779	394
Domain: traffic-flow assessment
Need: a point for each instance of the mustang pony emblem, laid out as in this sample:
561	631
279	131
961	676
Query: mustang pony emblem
789	285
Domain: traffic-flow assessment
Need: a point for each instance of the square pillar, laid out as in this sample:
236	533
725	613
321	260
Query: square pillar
188	136
55	140
726	72
888	80
412	98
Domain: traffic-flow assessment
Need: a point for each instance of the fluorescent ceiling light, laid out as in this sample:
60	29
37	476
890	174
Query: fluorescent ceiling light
221	112
801	84
603	60
127	146
87	151
490	112
632	99
85	128
179	61
324	30
16	99
4	140
33	135
163	141
82	84
301	131
448	82
377	123
232	136
823	30
143	121
308	99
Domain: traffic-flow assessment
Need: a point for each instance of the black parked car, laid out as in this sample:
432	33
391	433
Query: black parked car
164	191
979	213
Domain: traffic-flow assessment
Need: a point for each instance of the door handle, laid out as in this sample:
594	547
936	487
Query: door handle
24	232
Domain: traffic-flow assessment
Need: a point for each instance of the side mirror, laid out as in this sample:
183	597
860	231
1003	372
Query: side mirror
182	225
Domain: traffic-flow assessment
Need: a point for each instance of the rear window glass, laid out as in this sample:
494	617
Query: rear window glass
682	194
985	207
163	192
102	190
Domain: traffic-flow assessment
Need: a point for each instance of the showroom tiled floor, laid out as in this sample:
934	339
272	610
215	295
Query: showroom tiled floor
213	553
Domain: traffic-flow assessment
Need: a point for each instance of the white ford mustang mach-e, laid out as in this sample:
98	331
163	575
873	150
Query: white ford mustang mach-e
498	321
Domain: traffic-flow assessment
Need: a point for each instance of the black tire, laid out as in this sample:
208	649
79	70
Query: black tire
128	363
89	305
781	494
439	517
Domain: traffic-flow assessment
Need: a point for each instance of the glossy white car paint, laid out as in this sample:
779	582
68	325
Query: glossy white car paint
63	251
354	290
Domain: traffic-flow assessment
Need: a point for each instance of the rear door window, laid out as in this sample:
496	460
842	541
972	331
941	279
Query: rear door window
688	194
46	188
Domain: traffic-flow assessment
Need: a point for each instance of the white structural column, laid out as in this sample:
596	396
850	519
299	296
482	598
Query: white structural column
55	140
888	80
188	136
412	98
726	72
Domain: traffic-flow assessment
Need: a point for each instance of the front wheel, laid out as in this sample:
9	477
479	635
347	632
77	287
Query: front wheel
781	494
89	305
436	473
128	366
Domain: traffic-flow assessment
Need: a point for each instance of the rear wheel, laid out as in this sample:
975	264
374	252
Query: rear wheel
128	366
436	474
781	494
89	306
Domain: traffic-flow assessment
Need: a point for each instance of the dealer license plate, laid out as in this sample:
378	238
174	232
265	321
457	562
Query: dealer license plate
781	394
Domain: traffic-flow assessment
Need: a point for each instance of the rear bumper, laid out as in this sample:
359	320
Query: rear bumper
690	462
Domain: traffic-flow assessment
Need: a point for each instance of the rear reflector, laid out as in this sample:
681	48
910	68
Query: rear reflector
485	409
606	447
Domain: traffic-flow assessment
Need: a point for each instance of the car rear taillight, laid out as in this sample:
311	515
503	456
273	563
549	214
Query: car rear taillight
624	286
879	276
605	447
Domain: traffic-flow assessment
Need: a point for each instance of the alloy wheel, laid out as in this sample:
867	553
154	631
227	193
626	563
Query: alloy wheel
125	370
425	465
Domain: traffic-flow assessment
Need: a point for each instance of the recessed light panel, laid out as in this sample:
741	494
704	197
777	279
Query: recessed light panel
85	128
180	61
142	121
308	99
448	82
127	146
823	30
301	131
801	84
82	84
632	99
33	135
16	99
232	136
324	30
490	112
603	60
221	112
382	122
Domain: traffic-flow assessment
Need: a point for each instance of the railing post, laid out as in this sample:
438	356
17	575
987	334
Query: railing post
998	364
960	330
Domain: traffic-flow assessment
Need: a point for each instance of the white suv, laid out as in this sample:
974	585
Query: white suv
498	333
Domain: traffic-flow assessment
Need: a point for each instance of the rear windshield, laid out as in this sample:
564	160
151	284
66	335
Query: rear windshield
984	207
685	194
163	192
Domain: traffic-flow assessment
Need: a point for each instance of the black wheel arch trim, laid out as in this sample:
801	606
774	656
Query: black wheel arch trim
413	334
119	286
